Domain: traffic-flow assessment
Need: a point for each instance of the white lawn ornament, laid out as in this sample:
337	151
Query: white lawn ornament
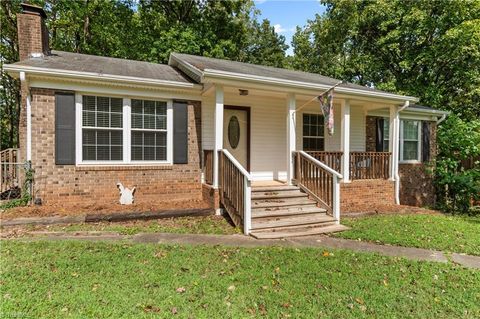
126	194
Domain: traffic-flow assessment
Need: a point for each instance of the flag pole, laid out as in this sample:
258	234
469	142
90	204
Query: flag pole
305	104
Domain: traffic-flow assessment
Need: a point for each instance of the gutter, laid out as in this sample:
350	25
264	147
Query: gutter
24	82
444	116
12	68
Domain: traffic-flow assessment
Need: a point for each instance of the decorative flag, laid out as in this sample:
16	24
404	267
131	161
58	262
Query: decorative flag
326	104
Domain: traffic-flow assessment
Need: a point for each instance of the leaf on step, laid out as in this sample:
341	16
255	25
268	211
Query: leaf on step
325	253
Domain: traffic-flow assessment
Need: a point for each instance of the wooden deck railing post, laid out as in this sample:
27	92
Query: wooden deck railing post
247	220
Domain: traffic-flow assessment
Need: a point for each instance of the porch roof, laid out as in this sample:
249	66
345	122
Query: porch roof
200	68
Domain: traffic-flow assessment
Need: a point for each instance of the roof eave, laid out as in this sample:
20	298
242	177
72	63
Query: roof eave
16	69
210	74
425	111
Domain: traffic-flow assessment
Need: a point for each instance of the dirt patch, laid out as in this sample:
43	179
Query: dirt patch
370	209
99	208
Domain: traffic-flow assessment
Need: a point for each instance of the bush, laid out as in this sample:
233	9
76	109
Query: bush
457	185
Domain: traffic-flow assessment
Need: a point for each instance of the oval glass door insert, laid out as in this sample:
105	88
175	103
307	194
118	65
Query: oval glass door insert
233	132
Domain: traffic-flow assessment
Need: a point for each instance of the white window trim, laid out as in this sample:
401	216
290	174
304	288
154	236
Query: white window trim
127	103
419	150
317	137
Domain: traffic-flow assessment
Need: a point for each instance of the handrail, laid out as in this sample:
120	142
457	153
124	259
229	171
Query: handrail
322	165
235	187
237	164
319	181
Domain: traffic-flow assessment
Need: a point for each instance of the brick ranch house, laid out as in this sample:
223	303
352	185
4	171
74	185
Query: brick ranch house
250	139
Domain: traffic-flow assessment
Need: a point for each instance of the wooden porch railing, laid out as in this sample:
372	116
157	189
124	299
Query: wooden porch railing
208	166
9	169
369	165
331	159
235	190
318	180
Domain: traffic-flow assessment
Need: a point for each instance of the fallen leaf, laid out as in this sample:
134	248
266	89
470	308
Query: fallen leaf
231	288
181	290
325	253
150	308
174	311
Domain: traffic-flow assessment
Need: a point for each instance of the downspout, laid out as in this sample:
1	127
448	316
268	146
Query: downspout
24	82
396	159
444	116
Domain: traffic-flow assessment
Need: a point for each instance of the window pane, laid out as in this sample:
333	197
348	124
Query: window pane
149	153
410	130
386	129
149	139
149	107
88	118
89	103
149	122
161	108
103	104
410	150
161	154
161	139
116	120
102	145
137	121
161	122
116	105
103	119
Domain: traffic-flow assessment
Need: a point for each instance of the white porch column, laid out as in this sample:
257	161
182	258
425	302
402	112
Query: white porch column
345	139
218	129
393	145
291	135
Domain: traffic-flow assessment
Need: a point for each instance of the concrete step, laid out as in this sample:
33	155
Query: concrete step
297	231
278	194
280	222
286	211
279	202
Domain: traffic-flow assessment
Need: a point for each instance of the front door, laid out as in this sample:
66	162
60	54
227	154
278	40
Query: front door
236	133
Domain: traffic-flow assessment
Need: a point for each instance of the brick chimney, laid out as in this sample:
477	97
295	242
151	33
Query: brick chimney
32	32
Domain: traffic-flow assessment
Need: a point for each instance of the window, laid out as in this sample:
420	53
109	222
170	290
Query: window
313	132
149	130
386	135
102	133
124	131
410	141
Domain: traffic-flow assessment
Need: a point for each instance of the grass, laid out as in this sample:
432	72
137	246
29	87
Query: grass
449	233
217	225
118	280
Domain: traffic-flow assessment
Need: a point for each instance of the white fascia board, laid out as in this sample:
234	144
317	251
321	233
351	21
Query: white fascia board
216	74
113	89
11	68
175	61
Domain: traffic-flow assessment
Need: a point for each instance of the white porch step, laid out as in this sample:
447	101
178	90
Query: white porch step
286	211
278	194
297	231
298	220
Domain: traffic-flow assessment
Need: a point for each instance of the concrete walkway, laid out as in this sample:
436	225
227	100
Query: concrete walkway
244	241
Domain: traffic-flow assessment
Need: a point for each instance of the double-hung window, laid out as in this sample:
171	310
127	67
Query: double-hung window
410	137
313	132
149	130
386	135
124	131
102	128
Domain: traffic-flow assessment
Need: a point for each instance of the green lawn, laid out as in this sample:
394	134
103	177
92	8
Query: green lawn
119	280
441	232
217	225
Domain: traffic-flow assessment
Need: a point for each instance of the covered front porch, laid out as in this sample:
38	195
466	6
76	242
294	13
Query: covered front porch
250	135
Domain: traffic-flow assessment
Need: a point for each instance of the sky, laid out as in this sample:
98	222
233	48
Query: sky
286	15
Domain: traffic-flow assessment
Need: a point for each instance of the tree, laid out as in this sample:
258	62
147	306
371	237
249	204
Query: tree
147	30
429	49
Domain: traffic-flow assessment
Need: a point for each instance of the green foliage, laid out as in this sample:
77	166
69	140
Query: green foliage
26	189
457	185
144	30
428	49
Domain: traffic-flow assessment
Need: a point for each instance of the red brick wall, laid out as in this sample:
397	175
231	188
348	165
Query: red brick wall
211	196
362	195
70	184
32	35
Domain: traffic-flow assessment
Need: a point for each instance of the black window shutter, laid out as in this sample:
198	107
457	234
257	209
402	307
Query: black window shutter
379	135
64	128
180	132
425	141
